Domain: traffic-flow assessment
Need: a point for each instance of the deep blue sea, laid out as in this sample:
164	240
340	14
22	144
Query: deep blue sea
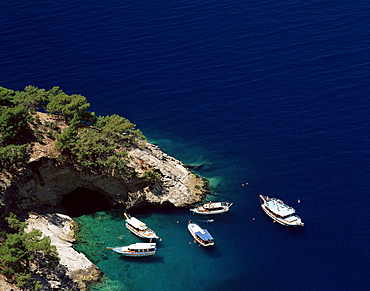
264	97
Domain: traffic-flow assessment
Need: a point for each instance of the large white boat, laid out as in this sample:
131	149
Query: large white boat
280	212
139	228
200	235
136	250
212	208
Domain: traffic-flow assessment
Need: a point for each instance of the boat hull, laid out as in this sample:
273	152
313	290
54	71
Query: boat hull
206	209
283	221
131	254
196	238
150	235
135	251
209	212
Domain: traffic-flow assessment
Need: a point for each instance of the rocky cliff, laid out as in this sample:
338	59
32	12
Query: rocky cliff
60	229
47	179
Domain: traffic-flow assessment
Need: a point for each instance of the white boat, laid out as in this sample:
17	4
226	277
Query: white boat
280	212
139	228
200	235
212	208
136	250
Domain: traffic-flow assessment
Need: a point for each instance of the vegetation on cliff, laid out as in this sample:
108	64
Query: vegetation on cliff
33	118
86	140
19	249
42	131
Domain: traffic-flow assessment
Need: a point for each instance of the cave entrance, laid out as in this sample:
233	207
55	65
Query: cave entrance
84	201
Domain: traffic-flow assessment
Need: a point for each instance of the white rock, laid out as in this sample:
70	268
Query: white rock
59	228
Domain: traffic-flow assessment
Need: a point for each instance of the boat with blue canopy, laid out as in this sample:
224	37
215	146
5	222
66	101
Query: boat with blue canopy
200	235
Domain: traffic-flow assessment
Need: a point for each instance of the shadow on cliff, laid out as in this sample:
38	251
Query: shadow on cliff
84	201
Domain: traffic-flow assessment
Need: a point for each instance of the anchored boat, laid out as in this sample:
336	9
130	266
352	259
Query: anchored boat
212	208
139	228
200	235
280	212
136	250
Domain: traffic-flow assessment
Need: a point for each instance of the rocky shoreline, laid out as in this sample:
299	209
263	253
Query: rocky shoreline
46	180
60	228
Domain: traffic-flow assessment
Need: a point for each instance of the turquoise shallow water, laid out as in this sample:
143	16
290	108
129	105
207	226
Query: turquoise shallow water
177	258
274	93
176	254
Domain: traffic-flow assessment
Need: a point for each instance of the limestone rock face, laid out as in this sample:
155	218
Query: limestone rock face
59	228
177	185
48	178
6	286
45	181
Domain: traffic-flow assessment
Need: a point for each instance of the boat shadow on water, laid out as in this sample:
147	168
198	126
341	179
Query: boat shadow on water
212	251
143	260
294	231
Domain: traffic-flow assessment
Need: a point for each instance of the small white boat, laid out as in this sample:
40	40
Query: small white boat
200	235
280	212
212	208
139	228
136	250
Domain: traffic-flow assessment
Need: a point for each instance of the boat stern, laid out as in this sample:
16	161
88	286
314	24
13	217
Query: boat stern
294	220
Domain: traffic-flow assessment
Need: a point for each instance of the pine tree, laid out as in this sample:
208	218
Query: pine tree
13	157
18	251
13	122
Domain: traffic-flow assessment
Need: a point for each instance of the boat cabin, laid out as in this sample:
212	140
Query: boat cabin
142	247
205	236
278	208
215	205
136	223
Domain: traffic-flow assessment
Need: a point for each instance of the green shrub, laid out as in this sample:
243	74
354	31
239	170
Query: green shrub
13	157
39	135
69	106
119	129
151	175
13	122
18	251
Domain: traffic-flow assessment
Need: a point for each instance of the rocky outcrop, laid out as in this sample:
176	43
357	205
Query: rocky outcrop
177	185
6	286
59	228
45	181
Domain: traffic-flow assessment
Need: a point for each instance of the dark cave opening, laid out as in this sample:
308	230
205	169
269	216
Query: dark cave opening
83	201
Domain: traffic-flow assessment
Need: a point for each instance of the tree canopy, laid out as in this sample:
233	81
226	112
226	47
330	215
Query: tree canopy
6	96
119	128
18	250
93	149
32	98
13	122
70	107
88	141
13	157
